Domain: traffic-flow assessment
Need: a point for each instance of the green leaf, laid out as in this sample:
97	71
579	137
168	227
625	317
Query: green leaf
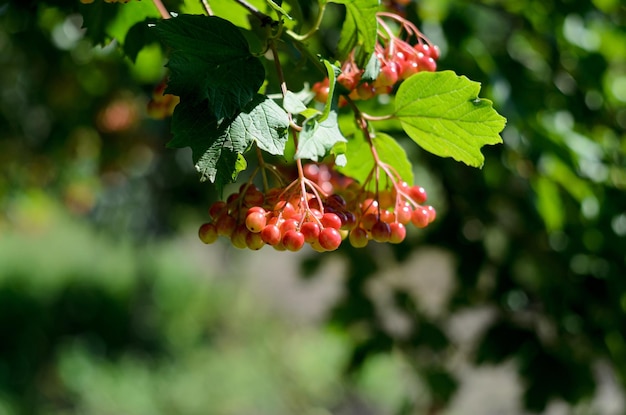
263	122
105	21
442	113
339	153
371	70
210	60
359	29
332	71
139	36
128	15
96	17
317	138
293	104
360	160
218	148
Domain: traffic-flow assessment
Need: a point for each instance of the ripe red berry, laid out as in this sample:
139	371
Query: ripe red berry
239	235
225	225
321	90
331	220
432	213
365	91
381	231
424	48
430	64
388	75
403	213
288	225
311	231
208	233
330	239
293	240
368	221
358	237
349	222
418	194
232	198
435	52
336	201
316	246
311	171
398	233
349	80
420	217
271	234
254	198
387	216
255	221
286	208
254	241
217	208
409	67
369	205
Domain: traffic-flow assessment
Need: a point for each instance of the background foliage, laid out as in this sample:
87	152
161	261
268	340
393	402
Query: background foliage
537	236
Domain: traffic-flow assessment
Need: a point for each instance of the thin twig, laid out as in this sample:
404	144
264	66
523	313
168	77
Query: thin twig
207	7
263	18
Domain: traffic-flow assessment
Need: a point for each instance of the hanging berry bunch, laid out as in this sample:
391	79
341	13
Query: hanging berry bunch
322	208
396	57
350	185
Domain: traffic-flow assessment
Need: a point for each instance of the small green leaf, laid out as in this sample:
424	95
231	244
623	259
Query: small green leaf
359	29
317	138
96	18
293	104
139	36
371	70
210	60
442	113
217	148
339	152
332	71
129	15
361	161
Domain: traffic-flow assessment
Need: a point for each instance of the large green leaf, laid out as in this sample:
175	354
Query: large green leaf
359	29
218	148
442	113
263	122
360	160
210	60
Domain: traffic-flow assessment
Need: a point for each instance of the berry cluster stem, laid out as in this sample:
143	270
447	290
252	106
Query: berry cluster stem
161	8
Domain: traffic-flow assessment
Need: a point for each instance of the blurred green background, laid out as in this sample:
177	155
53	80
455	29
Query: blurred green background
513	302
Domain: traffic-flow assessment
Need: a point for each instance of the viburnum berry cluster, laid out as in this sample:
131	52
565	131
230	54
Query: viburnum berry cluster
321	208
397	57
351	184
